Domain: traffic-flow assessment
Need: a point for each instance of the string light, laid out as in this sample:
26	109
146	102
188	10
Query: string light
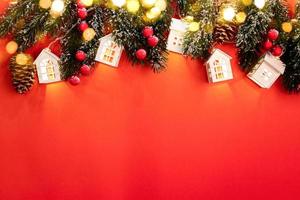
228	13
57	8
260	3
133	6
119	3
87	3
148	3
161	4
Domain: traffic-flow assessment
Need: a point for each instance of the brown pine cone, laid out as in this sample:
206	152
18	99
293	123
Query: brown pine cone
23	76
225	33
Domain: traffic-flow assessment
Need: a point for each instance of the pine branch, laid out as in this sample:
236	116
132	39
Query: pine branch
128	33
14	13
198	44
291	57
72	42
28	35
250	36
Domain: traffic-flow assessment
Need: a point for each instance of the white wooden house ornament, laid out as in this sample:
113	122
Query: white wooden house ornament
176	36
47	65
218	67
267	71
109	52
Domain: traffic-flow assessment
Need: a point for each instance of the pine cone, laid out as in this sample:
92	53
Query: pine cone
22	75
225	33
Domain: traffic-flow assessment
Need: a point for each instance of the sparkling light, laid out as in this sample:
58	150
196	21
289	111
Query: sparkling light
228	13
260	3
119	3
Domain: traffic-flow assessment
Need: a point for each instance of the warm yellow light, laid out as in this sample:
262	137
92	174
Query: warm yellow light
228	13
241	17
260	3
87	3
133	6
89	34
45	4
153	13
57	8
119	3
247	2
194	26
148	3
161	4
22	59
11	47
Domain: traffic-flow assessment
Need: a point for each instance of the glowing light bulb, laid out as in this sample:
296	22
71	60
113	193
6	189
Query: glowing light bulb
228	13
153	13
87	3
194	26
133	6
260	3
161	4
119	3
148	3
57	8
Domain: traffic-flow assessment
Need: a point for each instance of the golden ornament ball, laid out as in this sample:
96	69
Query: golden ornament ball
22	59
153	13
241	17
45	4
88	34
287	27
247	2
11	47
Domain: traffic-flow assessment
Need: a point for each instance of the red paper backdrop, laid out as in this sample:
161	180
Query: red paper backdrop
130	134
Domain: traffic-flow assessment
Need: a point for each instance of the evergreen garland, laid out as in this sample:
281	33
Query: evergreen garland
71	42
128	28
250	36
198	44
291	57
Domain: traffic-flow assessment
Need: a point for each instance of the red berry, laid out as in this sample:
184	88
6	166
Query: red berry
152	41
82	13
80	55
277	51
85	70
268	45
141	54
83	26
147	31
273	34
74	80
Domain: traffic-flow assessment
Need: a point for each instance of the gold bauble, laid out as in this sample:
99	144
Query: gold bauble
88	34
241	17
22	59
11	47
247	2
189	19
287	27
45	4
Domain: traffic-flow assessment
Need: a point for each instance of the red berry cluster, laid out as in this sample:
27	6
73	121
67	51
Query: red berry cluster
152	41
268	45
81	55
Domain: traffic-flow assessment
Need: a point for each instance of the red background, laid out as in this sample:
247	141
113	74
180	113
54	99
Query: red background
128	134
